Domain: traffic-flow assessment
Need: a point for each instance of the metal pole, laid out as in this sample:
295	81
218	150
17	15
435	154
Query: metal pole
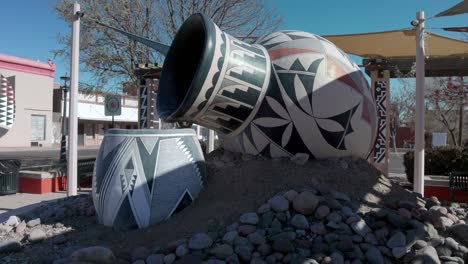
112	126
460	120
63	142
198	131
72	179
419	133
211	139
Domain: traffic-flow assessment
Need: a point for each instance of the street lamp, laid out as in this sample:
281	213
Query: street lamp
64	86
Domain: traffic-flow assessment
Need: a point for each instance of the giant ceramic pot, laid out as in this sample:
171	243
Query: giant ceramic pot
144	176
290	92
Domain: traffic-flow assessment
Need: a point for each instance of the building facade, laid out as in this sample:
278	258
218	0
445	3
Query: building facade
25	102
92	121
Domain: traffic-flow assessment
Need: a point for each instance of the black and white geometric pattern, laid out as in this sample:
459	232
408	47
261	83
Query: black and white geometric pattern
381	100
235	86
7	103
143	177
143	104
317	102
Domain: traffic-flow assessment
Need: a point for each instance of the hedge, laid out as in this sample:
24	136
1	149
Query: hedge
438	161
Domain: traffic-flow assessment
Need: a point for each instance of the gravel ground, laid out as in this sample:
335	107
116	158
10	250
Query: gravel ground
235	185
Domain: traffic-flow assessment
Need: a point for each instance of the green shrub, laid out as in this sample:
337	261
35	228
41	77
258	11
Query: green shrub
438	161
408	162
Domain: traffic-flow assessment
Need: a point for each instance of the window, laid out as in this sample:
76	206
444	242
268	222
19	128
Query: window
38	127
89	130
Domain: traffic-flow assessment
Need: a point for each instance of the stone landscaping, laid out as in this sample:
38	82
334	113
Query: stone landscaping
314	224
307	226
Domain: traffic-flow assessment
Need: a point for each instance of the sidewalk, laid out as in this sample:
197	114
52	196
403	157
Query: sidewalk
19	203
51	148
44	152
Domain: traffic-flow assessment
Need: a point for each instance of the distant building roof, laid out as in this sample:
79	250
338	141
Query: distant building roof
26	65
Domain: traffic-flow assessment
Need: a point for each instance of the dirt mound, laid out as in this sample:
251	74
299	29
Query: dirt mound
237	184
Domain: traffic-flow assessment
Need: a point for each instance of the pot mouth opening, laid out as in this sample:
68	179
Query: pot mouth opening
179	83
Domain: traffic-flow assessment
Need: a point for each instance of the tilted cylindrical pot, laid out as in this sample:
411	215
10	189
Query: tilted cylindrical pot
290	92
144	176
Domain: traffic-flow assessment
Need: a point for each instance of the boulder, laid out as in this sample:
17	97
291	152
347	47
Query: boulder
222	251
9	246
305	203
361	228
374	256
279	203
200	241
94	254
37	235
299	221
249	218
426	255
460	233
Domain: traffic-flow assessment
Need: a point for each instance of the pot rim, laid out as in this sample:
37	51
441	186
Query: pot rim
199	75
151	132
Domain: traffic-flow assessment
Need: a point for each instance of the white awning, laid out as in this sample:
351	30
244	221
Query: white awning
95	112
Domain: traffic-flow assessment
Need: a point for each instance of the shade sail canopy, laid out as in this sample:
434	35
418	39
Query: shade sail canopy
398	43
456	29
459	8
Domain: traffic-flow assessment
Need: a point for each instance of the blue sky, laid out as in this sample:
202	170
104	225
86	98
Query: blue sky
29	27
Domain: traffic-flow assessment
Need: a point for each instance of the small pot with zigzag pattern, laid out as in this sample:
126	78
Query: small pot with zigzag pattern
142	177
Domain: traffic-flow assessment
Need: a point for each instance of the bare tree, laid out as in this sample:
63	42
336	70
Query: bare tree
109	56
401	112
240	18
446	102
405	100
394	123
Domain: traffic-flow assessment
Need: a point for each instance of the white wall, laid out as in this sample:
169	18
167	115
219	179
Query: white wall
33	95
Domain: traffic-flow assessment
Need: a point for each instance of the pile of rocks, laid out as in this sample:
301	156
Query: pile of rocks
314	226
43	222
309	226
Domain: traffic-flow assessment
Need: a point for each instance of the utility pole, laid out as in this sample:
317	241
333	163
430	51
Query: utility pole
72	175
461	97
420	106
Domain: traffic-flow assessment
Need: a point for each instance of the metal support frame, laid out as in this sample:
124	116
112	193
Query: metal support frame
147	115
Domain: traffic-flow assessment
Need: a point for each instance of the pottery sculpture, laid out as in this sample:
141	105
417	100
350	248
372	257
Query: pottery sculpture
144	176
290	92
